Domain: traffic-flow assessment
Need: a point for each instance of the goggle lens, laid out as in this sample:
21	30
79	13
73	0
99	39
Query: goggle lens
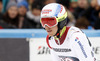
48	21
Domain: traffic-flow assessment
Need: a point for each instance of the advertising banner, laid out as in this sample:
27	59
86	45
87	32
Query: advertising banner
95	41
39	50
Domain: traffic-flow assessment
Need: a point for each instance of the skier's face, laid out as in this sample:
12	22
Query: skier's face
51	31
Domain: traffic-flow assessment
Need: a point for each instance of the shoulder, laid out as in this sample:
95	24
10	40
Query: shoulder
73	30
76	34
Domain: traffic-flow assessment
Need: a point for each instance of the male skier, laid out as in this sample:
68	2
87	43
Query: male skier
65	43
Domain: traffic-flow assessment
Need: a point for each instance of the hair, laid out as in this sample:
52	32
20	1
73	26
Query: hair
82	23
66	3
37	4
0	0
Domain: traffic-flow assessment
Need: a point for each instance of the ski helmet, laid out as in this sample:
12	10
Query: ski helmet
54	14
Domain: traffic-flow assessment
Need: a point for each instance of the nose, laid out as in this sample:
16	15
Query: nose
47	27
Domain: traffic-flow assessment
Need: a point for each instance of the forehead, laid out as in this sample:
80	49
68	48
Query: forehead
22	7
13	7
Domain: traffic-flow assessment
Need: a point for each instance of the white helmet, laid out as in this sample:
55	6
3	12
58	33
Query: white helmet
54	10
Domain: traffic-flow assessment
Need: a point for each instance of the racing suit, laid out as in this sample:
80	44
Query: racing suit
73	45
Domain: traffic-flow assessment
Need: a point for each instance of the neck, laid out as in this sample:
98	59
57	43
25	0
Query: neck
61	32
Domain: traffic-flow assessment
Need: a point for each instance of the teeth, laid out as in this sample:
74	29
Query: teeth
49	30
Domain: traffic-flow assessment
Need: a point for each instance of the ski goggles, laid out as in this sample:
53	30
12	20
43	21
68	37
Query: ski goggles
52	21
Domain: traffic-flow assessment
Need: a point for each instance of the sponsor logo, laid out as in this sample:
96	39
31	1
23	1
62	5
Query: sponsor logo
81	46
61	8
43	50
76	39
61	50
68	58
96	50
46	11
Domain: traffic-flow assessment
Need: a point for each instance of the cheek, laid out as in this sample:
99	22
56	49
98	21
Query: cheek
55	30
19	9
10	13
25	10
1	6
15	13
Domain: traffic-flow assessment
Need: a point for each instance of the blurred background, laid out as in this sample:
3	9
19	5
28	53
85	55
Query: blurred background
25	14
22	37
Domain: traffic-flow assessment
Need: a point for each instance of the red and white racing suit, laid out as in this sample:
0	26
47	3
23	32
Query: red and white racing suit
72	46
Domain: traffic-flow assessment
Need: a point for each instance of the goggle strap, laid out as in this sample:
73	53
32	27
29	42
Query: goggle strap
59	19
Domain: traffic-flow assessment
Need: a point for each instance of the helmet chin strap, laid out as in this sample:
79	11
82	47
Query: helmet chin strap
60	27
58	32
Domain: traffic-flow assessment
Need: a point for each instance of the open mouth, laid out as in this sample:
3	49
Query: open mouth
49	31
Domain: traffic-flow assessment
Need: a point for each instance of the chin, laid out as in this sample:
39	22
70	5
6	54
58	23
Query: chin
50	34
12	17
